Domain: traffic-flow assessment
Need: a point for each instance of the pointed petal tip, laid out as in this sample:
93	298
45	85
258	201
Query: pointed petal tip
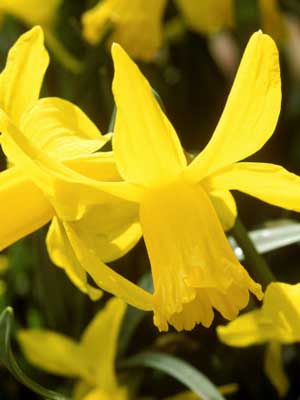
118	53
115	48
37	31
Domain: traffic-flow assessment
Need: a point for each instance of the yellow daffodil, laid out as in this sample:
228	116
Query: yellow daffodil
277	322
136	25
169	202
59	131
32	12
91	360
207	16
211	16
193	267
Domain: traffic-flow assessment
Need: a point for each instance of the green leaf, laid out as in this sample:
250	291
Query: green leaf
178	369
7	358
275	235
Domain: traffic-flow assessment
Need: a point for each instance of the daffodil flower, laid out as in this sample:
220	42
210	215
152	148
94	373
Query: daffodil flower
207	16
276	322
91	360
32	12
193	267
60	132
170	203
136	25
212	16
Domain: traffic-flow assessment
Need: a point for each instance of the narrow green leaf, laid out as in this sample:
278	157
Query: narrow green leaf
178	369
7	358
276	234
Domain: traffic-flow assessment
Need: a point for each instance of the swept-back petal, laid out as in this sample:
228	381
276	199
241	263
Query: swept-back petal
248	329
274	368
61	129
62	255
68	191
106	278
251	111
225	207
268	182
99	343
22	78
23	209
277	320
281	306
193	266
146	147
53	352
100	166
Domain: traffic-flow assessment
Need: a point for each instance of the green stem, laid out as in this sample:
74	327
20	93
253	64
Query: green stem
257	265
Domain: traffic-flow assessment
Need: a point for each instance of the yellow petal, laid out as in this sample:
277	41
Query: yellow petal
248	329
193	266
22	78
24	208
99	343
274	368
32	12
251	111
281	306
99	394
62	255
61	129
100	166
137	25
105	277
146	147
53	353
278	319
225	207
207	16
268	182
111	228
68	191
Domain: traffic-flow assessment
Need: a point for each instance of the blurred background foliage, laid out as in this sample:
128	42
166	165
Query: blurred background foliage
192	73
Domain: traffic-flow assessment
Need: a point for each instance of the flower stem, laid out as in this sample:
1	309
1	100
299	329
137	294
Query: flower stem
257	265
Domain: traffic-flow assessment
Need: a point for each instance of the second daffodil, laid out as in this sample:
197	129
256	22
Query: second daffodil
193	266
276	323
194	269
47	141
91	361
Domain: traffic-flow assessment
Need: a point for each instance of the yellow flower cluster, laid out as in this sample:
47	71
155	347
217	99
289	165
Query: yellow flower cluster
138	25
99	204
